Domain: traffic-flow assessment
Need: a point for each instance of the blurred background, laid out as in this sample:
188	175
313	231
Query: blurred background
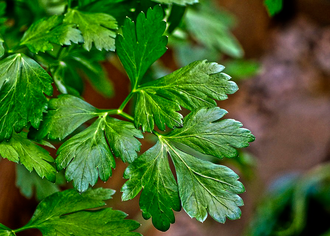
282	66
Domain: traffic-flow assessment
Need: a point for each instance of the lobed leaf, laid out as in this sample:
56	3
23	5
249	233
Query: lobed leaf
97	28
65	114
44	32
141	44
23	83
193	86
19	149
66	213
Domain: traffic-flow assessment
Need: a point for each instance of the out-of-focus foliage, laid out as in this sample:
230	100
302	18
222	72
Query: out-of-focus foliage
273	6
296	205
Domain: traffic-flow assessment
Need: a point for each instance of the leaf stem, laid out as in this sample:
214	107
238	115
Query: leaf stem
127	99
115	112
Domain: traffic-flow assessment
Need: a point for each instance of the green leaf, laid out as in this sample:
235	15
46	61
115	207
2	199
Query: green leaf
19	149
151	172
65	213
97	28
2	48
273	6
205	187
193	86
210	30
141	44
179	2
45	31
121	138
65	114
28	183
205	132
5	231
23	83
86	156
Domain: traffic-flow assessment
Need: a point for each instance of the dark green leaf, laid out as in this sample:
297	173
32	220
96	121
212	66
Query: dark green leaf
28	183
65	213
97	28
151	172
141	44
45	31
210	30
121	138
273	6
204	132
19	149
23	83
193	86
66	113
86	156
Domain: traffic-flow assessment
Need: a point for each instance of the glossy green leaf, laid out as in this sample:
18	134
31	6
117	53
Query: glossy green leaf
97	28
141	44
205	188
193	86
44	32
86	156
151	172
66	213
5	231
66	113
121	136
205	132
23	85
19	149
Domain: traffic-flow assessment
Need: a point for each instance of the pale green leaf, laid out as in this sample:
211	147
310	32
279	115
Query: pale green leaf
97	28
19	149
23	85
141	43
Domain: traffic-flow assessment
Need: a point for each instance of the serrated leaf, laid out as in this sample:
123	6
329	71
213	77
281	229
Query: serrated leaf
121	136
205	132
193	86
210	30
45	31
66	213
65	114
205	188
273	6
97	28
86	156
28	183
179	2
151	172
141	44
23	83
19	149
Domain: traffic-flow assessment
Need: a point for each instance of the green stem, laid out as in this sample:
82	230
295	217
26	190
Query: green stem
123	105
127	116
115	112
